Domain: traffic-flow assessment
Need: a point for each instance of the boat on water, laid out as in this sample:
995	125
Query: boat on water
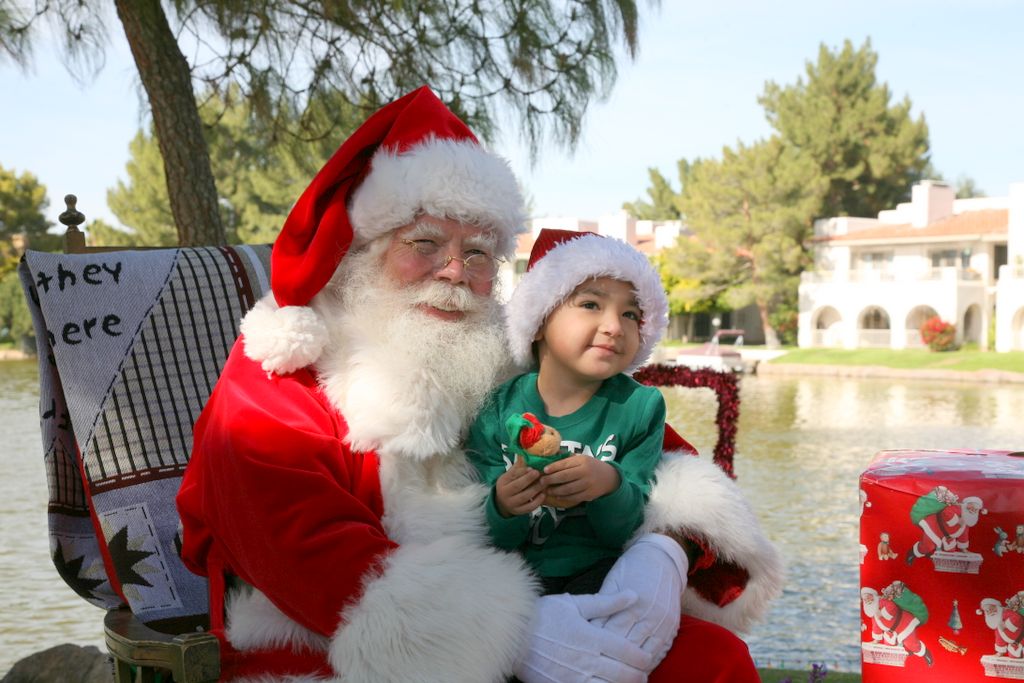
721	353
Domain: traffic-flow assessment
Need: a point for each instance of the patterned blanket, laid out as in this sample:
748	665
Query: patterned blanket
130	345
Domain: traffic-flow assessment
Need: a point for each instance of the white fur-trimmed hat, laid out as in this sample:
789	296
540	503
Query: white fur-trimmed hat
989	603
411	157
442	177
559	262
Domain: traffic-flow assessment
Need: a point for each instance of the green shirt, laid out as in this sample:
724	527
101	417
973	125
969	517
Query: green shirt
623	424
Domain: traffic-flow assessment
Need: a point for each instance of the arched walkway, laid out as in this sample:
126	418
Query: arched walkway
873	328
827	325
971	325
1017	331
917	317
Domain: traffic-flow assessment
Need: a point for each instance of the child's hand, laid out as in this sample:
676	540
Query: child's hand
518	491
578	479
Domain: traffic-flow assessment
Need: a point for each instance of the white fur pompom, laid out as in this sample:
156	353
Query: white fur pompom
283	339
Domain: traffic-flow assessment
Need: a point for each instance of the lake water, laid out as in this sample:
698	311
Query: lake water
802	444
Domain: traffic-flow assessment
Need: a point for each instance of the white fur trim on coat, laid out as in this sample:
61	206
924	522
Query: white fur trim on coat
442	177
283	339
255	623
694	497
554	277
443	611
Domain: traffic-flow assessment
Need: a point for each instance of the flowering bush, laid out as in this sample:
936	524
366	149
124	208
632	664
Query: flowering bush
938	334
817	674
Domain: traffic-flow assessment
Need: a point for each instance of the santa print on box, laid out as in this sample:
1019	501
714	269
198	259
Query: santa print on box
885	551
1007	623
945	523
943	526
1017	544
894	616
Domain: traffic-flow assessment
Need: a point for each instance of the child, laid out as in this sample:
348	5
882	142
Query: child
588	311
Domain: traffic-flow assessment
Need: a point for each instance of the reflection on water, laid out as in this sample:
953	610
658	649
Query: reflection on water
802	444
38	609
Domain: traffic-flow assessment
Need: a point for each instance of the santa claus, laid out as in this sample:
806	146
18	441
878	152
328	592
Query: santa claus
1008	624
328	500
894	617
945	522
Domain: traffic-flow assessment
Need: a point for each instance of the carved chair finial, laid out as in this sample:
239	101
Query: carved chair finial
71	217
74	239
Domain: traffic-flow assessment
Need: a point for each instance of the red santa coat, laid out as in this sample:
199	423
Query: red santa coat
895	626
944	530
383	586
1010	633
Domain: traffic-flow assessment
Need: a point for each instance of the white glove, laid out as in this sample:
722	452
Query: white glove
654	568
566	648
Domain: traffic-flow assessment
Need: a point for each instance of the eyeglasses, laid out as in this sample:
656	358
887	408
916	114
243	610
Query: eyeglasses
478	267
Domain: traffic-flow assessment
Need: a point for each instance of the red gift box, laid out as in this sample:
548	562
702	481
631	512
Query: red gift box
942	566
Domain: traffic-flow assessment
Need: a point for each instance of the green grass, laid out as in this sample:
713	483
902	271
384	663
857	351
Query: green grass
777	675
963	360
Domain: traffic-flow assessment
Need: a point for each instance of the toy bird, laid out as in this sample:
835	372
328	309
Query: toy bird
536	445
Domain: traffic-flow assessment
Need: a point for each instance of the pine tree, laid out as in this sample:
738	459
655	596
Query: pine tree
23	205
840	148
664	201
749	214
954	619
542	61
870	151
15	319
258	173
23	225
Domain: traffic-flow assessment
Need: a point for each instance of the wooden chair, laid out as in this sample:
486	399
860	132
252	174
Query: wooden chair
71	218
130	344
139	652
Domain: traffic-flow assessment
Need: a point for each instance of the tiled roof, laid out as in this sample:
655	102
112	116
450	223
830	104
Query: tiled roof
645	245
524	244
968	224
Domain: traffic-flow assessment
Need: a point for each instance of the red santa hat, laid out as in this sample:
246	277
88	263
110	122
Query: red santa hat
411	157
563	259
976	502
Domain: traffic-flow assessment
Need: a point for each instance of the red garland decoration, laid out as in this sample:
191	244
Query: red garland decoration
726	386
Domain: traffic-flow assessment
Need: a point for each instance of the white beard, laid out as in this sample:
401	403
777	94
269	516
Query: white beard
407	384
969	518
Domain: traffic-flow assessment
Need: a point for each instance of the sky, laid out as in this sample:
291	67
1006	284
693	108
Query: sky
692	90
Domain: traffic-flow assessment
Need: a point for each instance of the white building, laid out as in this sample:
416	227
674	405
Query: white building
876	280
649	237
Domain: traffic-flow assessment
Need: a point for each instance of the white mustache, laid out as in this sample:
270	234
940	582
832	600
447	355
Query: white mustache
446	297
